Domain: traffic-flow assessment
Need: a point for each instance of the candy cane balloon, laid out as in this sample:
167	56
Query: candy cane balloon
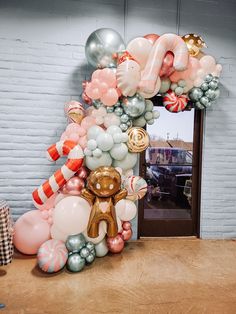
61	176
165	43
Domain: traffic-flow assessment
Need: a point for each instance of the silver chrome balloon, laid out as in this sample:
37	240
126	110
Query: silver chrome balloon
204	86
90	258
209	78
101	46
75	263
75	243
205	101
134	106
195	94
213	85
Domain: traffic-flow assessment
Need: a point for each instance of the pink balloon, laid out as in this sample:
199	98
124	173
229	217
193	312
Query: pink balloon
95	93
48	204
30	232
103	87
73	186
108	76
127	234
96	74
116	244
63	137
87	122
45	214
82	173
151	37
83	141
74	137
72	128
110	98
167	65
208	63
191	71
86	99
126	225
82	131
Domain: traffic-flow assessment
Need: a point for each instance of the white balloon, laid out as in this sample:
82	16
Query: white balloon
102	233
57	234
71	215
126	210
114	129
111	119
94	162
128	162
119	151
101	248
60	197
94	131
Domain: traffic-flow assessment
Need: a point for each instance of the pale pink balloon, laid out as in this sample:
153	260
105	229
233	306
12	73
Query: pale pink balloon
72	128
95	93
151	37
126	225
191	71
60	197
95	83
82	131
127	234
108	76
116	244
30	232
87	122
63	137
103	87
208	63
45	214
167	65
48	204
73	186
96	74
74	137
198	82
110	98
140	48
83	141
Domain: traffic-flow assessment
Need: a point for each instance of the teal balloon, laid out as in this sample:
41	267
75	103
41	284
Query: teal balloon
75	243
117	138
119	151
204	86
101	46
209	78
124	118
75	263
94	131
134	106
195	94
84	252
128	162
156	114
216	79
94	162
97	104
105	141
92	144
213	85
90	258
118	111
101	248
150	122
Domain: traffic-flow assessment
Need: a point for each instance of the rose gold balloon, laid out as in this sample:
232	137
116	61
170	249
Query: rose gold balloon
167	66
127	234
126	225
73	187
86	99
82	173
151	37
116	244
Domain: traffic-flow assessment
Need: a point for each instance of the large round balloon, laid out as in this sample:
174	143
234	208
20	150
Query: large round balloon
30	231
52	256
71	215
101	46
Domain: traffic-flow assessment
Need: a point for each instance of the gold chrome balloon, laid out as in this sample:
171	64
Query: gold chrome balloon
138	139
194	43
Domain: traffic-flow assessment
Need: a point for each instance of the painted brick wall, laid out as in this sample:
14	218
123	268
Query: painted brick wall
42	66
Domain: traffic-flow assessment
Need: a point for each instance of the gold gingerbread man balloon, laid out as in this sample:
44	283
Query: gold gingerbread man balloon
103	192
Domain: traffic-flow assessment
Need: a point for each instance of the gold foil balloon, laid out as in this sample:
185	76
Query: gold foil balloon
103	192
138	139
194	43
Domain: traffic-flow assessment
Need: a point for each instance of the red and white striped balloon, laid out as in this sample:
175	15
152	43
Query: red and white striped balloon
52	256
174	103
61	176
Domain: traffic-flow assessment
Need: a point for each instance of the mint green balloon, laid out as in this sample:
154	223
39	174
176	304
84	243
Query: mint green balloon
94	162
128	162
165	85
141	122
105	141
119	151
94	131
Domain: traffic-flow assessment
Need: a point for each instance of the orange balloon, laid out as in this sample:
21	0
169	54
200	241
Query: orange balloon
151	37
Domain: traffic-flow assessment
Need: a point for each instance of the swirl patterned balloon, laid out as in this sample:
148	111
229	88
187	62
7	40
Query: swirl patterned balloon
138	139
174	103
136	187
74	111
52	256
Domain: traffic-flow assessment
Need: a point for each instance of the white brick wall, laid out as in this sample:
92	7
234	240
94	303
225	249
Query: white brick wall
42	66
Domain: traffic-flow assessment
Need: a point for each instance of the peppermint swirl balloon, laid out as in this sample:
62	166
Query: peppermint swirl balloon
174	103
138	139
52	256
136	187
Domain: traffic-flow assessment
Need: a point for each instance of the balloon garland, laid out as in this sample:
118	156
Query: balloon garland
85	208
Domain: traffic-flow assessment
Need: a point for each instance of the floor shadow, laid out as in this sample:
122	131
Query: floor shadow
19	255
37	272
2	272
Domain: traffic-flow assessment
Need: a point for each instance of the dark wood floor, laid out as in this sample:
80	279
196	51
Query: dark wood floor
150	276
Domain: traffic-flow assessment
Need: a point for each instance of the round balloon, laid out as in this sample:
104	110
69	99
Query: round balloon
52	256
75	263
75	242
126	209
136	187
101	46
134	106
101	248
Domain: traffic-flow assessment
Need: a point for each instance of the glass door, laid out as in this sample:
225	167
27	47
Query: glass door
171	168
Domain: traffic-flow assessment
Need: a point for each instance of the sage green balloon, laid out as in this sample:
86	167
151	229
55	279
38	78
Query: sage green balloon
165	85
101	248
75	243
101	46
90	246
141	122
75	263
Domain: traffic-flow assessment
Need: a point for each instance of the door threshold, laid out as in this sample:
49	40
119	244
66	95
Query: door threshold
168	238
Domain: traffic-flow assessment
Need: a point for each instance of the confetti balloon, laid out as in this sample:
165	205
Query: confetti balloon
194	43
52	256
138	139
174	103
136	187
75	111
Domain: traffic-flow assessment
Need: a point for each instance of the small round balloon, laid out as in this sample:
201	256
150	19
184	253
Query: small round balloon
75	243
134	106
75	263
101	47
52	256
138	139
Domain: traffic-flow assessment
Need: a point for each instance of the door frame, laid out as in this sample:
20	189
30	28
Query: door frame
187	227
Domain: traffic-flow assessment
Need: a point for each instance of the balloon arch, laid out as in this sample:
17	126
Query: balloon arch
85	207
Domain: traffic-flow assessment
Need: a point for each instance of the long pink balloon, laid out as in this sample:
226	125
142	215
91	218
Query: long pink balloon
166	42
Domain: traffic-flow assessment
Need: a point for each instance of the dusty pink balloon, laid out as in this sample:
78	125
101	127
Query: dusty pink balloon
126	225
167	65
127	234
82	173
73	186
116	244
